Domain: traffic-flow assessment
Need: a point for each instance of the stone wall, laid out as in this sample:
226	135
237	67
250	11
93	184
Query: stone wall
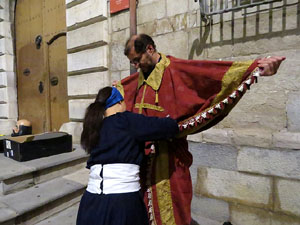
8	91
245	169
88	51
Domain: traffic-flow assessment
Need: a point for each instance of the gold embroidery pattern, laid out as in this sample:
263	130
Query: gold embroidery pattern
149	106
155	77
154	81
232	79
163	188
120	88
142	102
198	121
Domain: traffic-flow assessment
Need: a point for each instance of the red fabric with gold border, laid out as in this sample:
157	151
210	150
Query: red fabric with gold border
183	90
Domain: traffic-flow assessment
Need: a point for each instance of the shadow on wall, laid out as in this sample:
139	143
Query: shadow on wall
205	39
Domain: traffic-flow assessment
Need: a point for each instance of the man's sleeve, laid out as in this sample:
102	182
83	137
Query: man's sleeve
218	86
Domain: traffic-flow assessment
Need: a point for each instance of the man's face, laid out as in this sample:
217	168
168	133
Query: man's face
144	61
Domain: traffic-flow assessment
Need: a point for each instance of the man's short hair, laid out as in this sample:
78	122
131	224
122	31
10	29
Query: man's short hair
140	44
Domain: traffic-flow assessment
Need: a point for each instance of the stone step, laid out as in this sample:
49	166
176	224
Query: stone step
65	217
16	176
41	201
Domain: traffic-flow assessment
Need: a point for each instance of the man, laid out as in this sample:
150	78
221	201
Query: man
198	94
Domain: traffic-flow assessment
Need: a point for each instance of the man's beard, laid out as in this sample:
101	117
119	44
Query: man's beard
146	71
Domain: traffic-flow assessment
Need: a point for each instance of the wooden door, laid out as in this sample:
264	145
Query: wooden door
55	35
30	63
58	84
42	68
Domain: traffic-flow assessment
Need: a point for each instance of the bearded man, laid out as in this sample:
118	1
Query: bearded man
198	94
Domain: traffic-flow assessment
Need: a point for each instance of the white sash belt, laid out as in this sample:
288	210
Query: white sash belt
114	178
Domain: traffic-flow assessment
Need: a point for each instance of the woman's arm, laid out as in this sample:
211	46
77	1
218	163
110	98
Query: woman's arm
145	128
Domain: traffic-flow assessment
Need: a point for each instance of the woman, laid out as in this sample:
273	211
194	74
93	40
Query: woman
115	139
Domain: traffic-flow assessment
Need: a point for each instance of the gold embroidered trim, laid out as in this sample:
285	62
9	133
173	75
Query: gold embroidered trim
142	101
232	79
196	122
163	188
120	88
156	97
155	77
149	106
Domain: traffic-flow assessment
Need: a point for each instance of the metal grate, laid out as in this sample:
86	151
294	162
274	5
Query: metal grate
213	7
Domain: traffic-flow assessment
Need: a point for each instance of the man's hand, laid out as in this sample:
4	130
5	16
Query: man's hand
269	65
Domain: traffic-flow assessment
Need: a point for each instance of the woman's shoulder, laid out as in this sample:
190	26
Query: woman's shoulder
120	118
126	115
130	117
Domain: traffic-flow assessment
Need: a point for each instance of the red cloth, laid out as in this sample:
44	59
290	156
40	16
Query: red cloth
187	89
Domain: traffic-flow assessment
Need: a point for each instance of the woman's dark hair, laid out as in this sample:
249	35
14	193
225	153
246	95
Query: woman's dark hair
93	118
140	44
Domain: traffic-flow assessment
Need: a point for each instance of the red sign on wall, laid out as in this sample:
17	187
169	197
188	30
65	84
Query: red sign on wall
118	5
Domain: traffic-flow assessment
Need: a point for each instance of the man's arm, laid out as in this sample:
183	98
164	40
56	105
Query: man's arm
219	109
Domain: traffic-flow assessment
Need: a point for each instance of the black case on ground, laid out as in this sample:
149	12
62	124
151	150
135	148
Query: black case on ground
28	147
1	142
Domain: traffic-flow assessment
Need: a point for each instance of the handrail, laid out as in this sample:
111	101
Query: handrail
209	8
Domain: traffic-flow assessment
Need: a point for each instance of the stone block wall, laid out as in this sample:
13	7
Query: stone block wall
249	185
8	90
245	169
88	51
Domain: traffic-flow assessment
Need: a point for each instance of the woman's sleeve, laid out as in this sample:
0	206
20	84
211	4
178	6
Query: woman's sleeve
145	128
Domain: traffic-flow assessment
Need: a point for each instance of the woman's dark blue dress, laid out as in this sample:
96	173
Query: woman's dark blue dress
123	137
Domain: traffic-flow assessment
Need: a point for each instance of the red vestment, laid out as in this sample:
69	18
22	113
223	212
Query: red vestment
196	93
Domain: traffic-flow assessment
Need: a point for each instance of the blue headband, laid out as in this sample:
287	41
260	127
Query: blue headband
114	98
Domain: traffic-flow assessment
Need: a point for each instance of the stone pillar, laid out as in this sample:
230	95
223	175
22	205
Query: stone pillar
87	45
8	90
